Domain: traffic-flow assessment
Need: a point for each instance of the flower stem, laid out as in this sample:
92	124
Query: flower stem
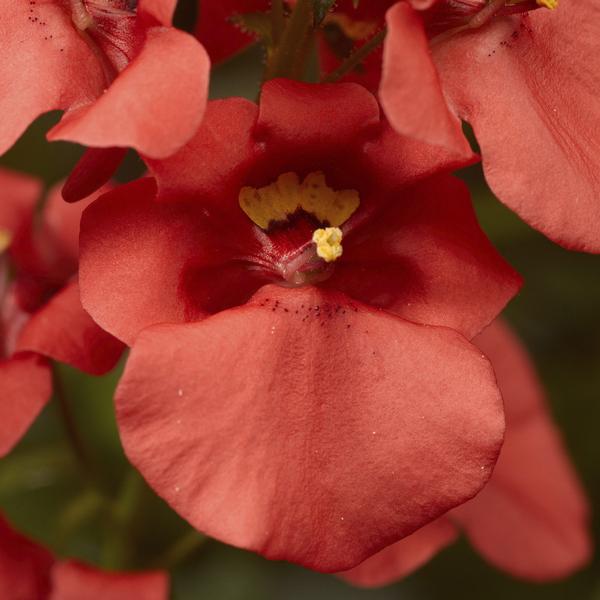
356	58
292	41
181	549
74	440
277	20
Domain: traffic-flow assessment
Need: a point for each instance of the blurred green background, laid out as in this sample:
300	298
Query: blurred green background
111	518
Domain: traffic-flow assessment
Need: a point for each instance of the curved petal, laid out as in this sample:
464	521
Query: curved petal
18	196
218	34
74	581
410	90
317	118
41	69
531	519
62	330
161	10
138	257
223	145
92	171
536	115
155	105
25	387
24	566
426	259
402	558
308	428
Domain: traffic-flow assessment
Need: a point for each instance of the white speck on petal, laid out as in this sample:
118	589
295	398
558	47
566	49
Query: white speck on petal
180	392
177	488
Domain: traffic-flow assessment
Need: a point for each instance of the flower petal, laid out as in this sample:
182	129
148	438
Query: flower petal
402	558
138	257
62	330
531	519
42	65
24	566
74	581
529	86
25	387
307	428
155	105
426	259
19	194
410	90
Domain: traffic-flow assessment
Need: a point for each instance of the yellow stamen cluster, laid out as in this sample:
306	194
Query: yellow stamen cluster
274	203
352	28
329	243
551	4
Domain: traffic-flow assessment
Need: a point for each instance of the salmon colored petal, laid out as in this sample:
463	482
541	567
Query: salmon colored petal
410	91
155	105
426	259
144	262
63	331
223	144
75	581
316	118
308	428
402	558
25	387
18	196
24	566
531	519
41	66
529	86
161	10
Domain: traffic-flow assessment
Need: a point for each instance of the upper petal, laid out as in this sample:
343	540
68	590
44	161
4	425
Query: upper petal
75	581
410	90
45	65
531	519
426	259
155	104
308	428
529	86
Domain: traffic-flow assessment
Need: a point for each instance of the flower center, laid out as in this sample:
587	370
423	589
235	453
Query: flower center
276	203
288	211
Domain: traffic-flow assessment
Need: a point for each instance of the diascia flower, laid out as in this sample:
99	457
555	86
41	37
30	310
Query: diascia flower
41	313
297	286
124	76
28	571
531	520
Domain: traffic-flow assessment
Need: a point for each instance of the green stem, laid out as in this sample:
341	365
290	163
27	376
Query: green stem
181	550
119	543
355	58
277	20
292	38
75	441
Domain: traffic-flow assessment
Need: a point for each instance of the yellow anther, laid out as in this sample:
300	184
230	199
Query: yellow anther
352	28
551	4
329	243
5	240
276	202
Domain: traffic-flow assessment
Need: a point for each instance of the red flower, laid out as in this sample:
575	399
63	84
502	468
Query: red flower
531	519
529	86
41	313
29	572
117	69
278	396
